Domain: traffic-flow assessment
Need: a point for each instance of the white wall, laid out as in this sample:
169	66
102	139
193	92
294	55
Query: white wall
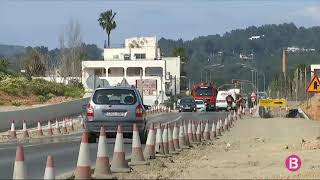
315	67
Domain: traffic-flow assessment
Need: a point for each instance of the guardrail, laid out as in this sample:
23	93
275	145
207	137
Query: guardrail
42	114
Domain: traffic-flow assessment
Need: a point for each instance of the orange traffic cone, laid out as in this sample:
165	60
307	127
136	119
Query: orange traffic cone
83	170
119	163
13	134
49	171
194	131
198	133
24	129
57	127
39	131
64	127
190	135
201	129
149	150
172	150
49	128
82	124
175	137
218	128
165	139
19	171
102	169
137	157
182	141
159	142
206	133
185	130
213	134
71	125
226	124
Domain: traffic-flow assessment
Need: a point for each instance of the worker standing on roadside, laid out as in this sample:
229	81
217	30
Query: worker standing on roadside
229	100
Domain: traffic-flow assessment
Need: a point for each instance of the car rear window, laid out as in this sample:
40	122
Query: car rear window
114	97
187	100
199	102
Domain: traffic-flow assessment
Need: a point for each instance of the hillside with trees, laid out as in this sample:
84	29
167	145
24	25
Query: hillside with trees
264	44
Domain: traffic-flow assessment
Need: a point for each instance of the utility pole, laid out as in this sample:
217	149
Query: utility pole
206	76
189	87
200	76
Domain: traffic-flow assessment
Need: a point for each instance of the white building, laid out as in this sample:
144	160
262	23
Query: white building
139	59
315	69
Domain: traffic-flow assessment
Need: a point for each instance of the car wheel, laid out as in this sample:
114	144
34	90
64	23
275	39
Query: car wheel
92	138
143	136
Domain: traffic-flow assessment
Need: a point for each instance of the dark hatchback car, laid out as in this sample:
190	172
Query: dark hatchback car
110	107
187	104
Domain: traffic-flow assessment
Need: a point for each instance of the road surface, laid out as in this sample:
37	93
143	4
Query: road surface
65	151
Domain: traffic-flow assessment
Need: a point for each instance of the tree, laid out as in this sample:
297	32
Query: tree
71	51
3	64
107	22
34	62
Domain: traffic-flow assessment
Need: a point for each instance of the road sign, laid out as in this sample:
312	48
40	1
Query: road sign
273	102
314	86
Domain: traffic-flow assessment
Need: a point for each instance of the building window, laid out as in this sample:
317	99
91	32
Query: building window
154	71
134	71
126	56
100	72
116	72
115	56
140	56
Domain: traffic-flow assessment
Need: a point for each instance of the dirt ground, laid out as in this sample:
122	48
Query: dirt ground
254	148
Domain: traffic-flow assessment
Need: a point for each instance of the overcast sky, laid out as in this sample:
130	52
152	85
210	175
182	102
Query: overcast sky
39	22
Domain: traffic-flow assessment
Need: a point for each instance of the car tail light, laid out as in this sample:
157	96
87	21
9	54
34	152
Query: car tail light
206	104
90	112
139	111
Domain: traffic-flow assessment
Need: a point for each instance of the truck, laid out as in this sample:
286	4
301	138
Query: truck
206	92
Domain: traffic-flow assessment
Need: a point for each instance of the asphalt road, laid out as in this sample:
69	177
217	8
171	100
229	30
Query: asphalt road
65	150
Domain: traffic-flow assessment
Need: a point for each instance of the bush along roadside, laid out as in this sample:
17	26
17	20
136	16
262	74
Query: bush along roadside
16	85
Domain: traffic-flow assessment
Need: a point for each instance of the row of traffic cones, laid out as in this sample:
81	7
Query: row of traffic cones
158	109
50	130
159	143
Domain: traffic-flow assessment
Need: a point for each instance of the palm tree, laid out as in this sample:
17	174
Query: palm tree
106	21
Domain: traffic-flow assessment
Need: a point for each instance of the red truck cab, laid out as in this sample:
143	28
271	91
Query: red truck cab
206	92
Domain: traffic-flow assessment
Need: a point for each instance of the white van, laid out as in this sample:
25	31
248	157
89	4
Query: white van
221	102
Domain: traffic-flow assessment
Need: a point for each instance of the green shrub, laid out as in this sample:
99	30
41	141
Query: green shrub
16	103
42	99
50	95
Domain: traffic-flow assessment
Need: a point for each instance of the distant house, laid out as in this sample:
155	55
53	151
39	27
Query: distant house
139	62
255	37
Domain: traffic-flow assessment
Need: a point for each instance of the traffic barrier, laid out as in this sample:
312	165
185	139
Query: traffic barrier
102	168
206	134
19	169
50	133
57	128
39	130
83	169
182	141
185	130
165	139
159	142
176	138
137	157
194	130
213	134
25	130
198	133
49	171
119	163
190	134
13	133
149	150
172	150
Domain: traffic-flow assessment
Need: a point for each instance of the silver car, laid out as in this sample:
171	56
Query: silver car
110	107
